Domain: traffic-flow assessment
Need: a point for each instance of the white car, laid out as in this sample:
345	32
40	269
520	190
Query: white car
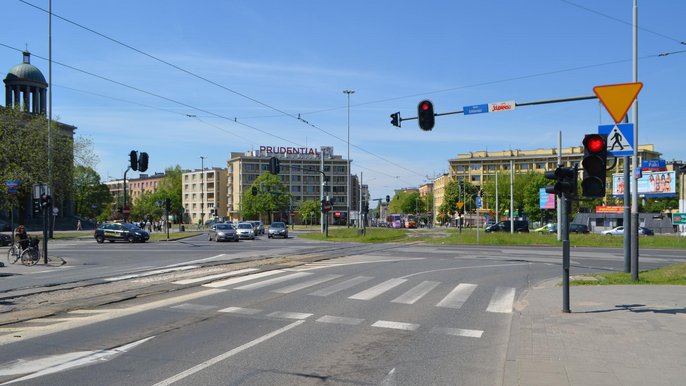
616	231
245	230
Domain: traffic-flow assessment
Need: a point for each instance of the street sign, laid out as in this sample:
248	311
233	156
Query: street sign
326	206
475	109
478	202
12	186
620	138
617	98
678	218
55	211
488	107
460	204
126	210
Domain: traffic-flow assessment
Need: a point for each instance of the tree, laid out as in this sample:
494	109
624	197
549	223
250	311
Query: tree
91	197
272	195
309	210
150	205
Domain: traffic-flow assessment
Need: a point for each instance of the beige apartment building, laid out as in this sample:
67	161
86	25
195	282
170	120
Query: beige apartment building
203	194
480	166
300	172
135	187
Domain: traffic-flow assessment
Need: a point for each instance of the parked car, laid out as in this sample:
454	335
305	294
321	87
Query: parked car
120	232
257	226
618	231
245	230
5	239
278	229
577	228
222	232
547	228
519	226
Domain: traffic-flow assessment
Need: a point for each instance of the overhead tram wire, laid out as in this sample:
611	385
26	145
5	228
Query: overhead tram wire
235	120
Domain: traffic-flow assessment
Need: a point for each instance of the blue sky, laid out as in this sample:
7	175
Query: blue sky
238	75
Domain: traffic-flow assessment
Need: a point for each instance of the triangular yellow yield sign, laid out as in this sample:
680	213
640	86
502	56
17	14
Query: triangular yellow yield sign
617	98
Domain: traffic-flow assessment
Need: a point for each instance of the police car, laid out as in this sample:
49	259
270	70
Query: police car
120	232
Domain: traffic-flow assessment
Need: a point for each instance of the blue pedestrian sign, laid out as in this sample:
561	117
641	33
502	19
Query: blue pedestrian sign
478	202
620	138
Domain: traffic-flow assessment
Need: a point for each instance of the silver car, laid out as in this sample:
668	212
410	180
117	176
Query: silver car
278	229
245	231
222	232
258	226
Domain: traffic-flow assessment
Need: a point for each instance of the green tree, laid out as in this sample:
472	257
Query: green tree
272	195
309	211
91	197
150	205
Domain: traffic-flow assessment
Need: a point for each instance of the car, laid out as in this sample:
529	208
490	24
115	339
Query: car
519	226
577	228
547	228
222	232
5	239
120	232
278	229
645	231
257	226
616	231
245	230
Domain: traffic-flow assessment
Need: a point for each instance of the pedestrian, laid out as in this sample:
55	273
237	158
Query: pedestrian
78	225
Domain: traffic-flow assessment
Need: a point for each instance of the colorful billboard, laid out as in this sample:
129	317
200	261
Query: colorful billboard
651	184
547	201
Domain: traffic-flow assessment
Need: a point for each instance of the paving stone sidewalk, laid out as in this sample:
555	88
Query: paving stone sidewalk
615	335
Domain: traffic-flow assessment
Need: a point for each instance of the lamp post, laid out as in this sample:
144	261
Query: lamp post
202	190
349	173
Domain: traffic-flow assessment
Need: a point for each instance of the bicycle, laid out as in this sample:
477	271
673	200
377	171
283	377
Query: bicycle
14	253
32	253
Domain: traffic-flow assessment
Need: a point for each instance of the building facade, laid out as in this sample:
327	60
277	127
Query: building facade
203	194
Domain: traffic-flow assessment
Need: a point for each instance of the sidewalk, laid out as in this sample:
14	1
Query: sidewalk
615	335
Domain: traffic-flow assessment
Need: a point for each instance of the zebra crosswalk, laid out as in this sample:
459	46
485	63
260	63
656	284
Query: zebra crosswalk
362	288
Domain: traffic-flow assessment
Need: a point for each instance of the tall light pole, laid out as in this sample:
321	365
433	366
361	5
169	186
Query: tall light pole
349	177
202	190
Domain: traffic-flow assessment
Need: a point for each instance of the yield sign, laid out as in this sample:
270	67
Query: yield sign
617	98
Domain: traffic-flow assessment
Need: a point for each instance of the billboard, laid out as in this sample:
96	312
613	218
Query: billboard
651	184
546	200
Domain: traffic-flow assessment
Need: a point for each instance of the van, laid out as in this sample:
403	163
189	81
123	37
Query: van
504	226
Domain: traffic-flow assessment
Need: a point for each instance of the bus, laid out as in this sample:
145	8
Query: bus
410	221
394	221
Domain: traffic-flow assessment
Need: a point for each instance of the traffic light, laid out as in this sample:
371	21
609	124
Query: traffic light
566	178
395	119
594	165
167	204
388	198
274	165
143	162
133	160
254	190
425	114
36	205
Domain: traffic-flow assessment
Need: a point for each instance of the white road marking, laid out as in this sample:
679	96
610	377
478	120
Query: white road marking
395	325
320	265
241	310
502	300
340	320
289	315
416	293
389	380
341	286
151	273
377	290
458	332
235	280
216	276
273	281
38	367
227	354
310	283
457	297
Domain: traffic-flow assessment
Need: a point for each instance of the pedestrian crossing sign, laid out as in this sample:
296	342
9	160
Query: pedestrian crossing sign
620	138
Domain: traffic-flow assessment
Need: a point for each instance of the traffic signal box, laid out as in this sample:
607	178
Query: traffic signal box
425	114
395	119
566	178
133	160
594	164
143	162
274	165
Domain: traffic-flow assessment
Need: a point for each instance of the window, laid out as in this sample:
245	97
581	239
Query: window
475	167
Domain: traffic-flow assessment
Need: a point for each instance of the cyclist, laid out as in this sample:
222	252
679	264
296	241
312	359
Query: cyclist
22	237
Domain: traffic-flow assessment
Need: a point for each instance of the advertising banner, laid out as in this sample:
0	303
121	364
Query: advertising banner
651	184
547	201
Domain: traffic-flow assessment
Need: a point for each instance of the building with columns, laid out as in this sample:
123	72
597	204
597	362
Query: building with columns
25	87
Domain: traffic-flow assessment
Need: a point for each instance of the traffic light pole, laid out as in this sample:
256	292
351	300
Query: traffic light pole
564	227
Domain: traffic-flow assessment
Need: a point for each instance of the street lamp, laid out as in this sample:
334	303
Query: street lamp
349	173
202	190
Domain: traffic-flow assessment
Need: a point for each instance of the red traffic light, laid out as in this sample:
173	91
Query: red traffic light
594	143
425	106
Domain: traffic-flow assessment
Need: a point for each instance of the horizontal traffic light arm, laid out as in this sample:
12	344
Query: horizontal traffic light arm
539	102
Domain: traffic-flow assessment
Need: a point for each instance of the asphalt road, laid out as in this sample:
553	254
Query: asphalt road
377	315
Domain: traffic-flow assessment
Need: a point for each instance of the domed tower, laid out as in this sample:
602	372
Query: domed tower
25	86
